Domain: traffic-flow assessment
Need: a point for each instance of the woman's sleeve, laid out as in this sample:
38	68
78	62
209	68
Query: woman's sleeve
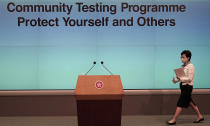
189	75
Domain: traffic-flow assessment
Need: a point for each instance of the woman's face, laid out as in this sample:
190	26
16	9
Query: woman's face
184	58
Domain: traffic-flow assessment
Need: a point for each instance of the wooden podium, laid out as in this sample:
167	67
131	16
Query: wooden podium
99	100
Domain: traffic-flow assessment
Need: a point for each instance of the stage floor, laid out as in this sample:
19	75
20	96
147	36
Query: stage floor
149	120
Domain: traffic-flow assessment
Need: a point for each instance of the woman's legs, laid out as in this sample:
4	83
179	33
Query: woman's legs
179	110
177	113
195	108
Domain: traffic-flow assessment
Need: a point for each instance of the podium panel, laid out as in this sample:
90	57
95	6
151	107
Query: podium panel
99	100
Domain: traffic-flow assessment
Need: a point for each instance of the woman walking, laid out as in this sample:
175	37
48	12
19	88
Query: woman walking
186	86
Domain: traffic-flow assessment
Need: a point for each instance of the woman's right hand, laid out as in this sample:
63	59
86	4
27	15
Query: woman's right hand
174	80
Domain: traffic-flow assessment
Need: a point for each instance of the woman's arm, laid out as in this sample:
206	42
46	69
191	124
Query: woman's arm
189	75
175	80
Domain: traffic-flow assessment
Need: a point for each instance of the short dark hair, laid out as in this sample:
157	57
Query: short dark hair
187	53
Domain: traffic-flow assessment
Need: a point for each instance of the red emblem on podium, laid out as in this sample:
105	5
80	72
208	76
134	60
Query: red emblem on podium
99	84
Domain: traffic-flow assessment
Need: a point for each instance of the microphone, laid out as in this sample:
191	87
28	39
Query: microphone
102	63
94	63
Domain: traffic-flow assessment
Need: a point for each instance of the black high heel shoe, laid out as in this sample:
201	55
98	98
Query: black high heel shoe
198	121
174	123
